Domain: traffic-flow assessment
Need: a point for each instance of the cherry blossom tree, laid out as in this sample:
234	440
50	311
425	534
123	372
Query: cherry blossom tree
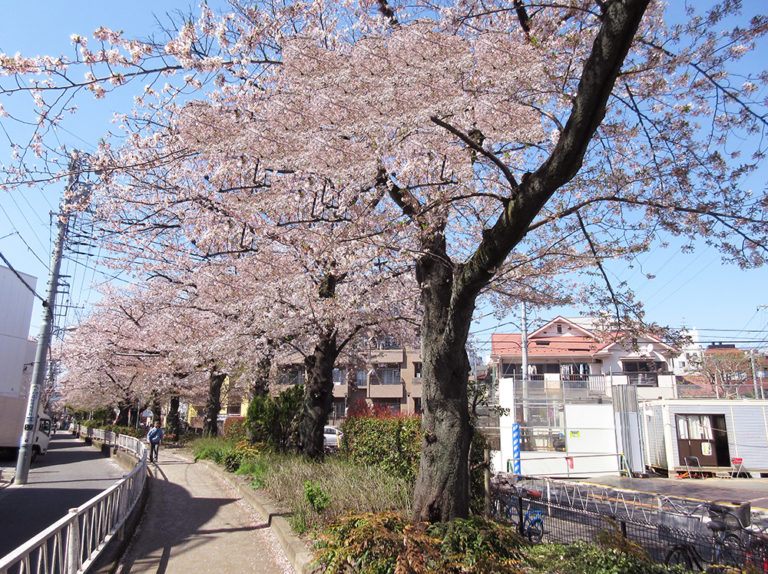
496	144
511	144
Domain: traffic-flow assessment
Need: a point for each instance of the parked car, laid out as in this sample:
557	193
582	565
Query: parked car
331	438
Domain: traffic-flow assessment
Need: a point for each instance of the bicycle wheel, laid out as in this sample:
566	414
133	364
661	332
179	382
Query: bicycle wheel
679	555
497	504
512	513
729	552
535	530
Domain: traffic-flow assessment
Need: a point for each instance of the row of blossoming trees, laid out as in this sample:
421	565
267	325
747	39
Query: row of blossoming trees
295	177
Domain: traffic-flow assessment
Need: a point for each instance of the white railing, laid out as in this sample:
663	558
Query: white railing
72	544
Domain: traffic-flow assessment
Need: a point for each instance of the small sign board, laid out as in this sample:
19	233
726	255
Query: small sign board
147	413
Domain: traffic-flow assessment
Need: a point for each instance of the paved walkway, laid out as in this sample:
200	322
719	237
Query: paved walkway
195	522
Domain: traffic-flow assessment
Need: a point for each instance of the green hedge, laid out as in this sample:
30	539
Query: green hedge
392	443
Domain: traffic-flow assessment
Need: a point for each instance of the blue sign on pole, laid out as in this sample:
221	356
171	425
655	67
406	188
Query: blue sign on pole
516	448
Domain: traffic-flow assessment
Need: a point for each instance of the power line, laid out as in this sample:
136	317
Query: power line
18	275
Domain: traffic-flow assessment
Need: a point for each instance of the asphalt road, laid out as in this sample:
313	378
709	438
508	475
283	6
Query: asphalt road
70	474
753	490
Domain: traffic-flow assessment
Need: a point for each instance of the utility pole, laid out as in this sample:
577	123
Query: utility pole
754	372
44	338
524	365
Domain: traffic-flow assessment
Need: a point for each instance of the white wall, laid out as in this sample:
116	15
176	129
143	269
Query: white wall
590	441
15	316
746	424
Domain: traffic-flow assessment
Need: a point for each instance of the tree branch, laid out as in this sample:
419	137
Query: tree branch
602	67
602	269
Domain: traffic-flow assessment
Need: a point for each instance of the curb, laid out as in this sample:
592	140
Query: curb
295	548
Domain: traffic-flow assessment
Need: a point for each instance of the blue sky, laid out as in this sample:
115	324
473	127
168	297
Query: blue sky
693	290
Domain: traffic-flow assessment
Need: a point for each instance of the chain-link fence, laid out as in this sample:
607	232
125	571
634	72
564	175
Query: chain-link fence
668	529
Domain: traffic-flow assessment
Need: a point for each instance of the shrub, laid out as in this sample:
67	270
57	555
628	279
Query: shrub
478	545
242	451
391	443
273	419
585	558
278	475
318	499
214	449
128	431
256	468
388	542
234	429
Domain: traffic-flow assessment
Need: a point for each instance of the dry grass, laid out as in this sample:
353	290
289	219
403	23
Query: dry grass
349	489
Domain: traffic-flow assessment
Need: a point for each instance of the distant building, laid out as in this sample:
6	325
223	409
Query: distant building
574	412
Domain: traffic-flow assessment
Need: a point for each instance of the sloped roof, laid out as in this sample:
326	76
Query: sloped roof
572	346
574	340
571	325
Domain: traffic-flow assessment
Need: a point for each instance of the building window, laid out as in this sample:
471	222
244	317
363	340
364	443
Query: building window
361	379
292	376
643	373
417	369
339	376
388	375
417	405
233	407
385	343
393	406
509	369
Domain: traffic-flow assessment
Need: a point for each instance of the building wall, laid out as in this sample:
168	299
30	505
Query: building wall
590	441
655	454
746	426
15	316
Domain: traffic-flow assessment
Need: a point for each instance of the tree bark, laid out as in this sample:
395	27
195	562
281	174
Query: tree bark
449	291
172	422
318	395
260	385
123	415
441	491
213	404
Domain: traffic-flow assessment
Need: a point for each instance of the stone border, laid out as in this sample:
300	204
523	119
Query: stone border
296	550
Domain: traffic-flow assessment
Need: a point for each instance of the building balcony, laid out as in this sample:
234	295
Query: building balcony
339	391
553	384
388	356
386	391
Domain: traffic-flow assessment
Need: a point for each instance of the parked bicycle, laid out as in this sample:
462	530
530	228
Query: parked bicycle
529	521
756	553
693	547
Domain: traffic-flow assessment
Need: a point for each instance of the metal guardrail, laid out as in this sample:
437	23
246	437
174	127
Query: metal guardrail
73	543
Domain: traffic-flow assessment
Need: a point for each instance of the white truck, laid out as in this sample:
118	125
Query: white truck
13	411
17	356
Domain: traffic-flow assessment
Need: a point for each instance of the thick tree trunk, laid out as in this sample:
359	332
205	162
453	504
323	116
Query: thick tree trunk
318	395
442	486
172	423
213	405
260	385
157	411
123	416
449	291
